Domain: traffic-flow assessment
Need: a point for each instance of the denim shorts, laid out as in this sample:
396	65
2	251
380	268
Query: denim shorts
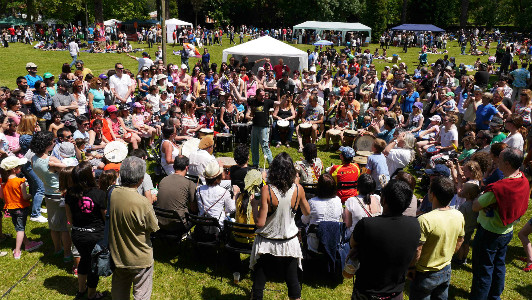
19	217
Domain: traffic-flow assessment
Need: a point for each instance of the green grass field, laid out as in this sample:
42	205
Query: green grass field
184	272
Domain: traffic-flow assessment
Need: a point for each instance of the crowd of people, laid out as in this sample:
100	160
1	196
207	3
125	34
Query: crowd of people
71	140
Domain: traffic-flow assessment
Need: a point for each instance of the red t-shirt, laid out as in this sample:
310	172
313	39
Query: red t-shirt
278	69
345	173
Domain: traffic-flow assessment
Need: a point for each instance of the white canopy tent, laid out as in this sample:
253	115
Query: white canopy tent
335	26
268	47
111	22
171	25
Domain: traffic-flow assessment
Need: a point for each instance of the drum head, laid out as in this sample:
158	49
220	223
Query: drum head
350	132
432	149
189	146
364	143
334	132
361	160
226	161
305	125
363	153
283	123
206	131
224	135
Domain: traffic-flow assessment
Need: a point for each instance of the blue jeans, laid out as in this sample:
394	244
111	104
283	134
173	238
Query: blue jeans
74	58
431	285
36	189
276	137
260	135
489	267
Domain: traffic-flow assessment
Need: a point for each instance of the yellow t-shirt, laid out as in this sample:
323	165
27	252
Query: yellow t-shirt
440	230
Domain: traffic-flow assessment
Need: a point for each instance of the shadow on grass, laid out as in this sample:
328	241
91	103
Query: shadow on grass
457	293
65	285
525	291
212	293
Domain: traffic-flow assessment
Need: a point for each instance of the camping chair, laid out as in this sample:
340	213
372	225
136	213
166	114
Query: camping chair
154	154
235	236
422	60
206	233
311	189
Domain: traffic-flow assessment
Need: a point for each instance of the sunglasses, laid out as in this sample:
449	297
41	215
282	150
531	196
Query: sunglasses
86	124
119	69
67	136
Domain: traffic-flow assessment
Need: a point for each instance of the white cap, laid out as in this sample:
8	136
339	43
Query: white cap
184	67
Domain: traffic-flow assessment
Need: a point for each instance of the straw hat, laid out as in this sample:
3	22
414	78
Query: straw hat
212	170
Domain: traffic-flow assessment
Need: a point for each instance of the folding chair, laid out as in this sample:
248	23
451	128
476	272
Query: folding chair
206	233
238	237
176	235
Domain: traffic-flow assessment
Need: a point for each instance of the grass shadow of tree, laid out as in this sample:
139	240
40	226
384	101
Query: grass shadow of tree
65	285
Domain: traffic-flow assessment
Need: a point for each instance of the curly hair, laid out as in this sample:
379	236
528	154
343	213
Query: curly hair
41	140
282	172
241	154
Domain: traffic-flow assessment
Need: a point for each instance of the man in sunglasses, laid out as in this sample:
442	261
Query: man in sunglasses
32	76
121	85
65	104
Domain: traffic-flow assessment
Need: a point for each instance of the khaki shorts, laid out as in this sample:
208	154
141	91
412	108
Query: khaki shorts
57	220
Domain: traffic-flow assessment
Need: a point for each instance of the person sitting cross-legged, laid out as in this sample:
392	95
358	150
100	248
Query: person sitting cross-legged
314	116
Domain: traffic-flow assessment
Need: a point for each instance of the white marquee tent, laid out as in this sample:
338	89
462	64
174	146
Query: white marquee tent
335	26
268	47
111	22
171	25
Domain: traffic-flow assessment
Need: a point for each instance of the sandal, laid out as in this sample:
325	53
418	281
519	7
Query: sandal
80	295
98	296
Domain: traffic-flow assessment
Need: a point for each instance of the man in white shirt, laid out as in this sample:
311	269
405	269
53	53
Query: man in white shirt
144	61
73	48
200	158
121	85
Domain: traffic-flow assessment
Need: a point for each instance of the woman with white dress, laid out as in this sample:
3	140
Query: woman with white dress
276	244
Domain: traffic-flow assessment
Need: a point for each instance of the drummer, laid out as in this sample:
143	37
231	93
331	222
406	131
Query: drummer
189	123
314	116
284	112
228	114
208	119
342	121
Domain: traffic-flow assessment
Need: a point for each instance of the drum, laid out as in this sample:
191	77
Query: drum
241	133
364	143
305	130
362	161
349	137
223	142
335	136
283	127
205	132
190	146
432	151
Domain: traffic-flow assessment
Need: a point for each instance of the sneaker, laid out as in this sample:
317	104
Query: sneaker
75	271
44	210
39	219
33	245
3	253
17	255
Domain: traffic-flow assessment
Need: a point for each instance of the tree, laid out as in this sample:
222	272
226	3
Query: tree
463	13
375	16
98	11
197	5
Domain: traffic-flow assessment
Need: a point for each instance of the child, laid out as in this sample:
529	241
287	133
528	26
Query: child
470	192
153	98
16	197
208	118
469	148
377	167
152	120
366	122
67	151
432	130
138	122
56	123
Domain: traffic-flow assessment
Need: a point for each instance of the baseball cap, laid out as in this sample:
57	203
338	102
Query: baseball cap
47	75
261	69
31	65
435	118
347	152
12	162
450	94
66	149
184	67
102	76
112	108
496	121
419	105
439	169
145	53
144	68
137	105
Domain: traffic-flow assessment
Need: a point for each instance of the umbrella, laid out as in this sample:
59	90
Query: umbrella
323	43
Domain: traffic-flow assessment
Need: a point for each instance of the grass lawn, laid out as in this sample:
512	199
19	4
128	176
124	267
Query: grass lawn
184	272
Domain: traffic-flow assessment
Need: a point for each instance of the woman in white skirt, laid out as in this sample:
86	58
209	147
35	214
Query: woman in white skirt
276	244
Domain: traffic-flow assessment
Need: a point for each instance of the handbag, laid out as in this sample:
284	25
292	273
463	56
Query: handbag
102	262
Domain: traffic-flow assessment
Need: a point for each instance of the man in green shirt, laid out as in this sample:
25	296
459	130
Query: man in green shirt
131	221
442	234
495	128
500	208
